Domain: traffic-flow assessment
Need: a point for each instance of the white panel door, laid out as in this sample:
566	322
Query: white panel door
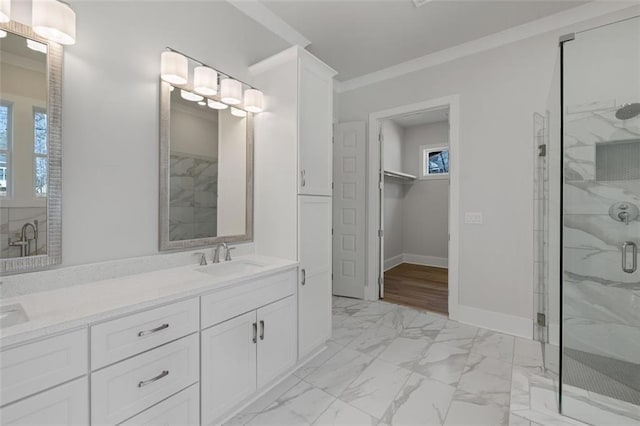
314	129
314	290
67	405
228	370
349	177
277	331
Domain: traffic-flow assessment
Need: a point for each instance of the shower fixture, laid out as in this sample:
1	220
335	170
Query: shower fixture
628	111
624	212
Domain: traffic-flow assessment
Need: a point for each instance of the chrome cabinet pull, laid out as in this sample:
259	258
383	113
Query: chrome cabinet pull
153	330
634	257
165	373
255	333
261	330
303	175
304	276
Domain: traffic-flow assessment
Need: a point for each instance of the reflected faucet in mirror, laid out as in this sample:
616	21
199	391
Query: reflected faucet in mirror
25	242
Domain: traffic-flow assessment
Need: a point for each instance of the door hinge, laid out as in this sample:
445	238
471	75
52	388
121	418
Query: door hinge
380	136
380	233
541	319
379	281
332	185
332	276
331	231
542	150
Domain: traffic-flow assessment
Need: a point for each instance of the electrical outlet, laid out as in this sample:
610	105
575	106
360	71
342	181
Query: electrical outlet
474	218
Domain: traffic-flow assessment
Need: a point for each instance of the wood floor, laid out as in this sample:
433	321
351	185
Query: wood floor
417	286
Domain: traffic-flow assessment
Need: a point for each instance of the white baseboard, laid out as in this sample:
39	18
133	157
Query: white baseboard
416	259
504	323
392	262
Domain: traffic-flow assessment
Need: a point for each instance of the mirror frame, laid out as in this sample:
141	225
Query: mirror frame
165	154
17	265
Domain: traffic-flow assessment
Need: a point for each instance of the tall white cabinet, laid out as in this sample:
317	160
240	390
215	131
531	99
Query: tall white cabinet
293	180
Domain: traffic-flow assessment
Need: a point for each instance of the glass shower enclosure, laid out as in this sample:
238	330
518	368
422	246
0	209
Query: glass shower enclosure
600	225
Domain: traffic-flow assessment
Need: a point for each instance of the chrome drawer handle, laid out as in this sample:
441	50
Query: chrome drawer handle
304	276
165	373
261	330
153	330
255	332
303	176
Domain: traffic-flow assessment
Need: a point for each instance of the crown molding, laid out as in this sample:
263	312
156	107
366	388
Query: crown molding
265	17
550	23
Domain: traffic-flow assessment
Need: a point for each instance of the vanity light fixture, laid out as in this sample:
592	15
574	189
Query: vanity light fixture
37	46
216	105
189	96
202	103
205	81
5	12
174	68
54	20
238	112
253	100
230	91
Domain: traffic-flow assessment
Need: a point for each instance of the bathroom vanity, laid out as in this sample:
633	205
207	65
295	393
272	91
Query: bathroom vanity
188	345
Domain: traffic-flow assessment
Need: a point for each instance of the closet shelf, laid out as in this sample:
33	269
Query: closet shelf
399	175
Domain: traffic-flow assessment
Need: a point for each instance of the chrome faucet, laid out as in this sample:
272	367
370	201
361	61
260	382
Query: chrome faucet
216	252
227	256
25	242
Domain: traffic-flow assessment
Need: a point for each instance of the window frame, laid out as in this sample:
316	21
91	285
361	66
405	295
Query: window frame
9	150
36	155
423	153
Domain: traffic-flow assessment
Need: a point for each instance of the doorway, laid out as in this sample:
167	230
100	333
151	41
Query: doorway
415	209
434	277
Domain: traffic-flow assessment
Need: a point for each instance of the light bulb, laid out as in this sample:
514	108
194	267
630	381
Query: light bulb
3	34
230	91
253	100
202	103
37	46
205	81
238	112
174	68
216	105
189	96
54	20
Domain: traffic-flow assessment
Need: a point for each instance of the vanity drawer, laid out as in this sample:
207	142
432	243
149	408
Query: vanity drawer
121	338
67	404
125	389
223	305
181	409
30	368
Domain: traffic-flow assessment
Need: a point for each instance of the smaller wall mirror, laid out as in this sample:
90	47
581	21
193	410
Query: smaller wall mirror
30	146
206	172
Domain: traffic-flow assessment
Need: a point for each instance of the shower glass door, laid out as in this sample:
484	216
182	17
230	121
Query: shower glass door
600	370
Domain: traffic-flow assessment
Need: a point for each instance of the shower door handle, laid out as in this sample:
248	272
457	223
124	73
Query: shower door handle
634	257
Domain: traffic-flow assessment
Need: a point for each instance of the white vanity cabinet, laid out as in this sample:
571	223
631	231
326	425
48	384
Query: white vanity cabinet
247	352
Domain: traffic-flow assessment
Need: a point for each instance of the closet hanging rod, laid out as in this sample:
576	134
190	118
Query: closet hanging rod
399	175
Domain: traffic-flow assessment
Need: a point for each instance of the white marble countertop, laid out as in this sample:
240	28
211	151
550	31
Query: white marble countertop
56	311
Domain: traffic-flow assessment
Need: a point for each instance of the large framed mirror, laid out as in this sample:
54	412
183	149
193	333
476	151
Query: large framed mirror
30	150
206	172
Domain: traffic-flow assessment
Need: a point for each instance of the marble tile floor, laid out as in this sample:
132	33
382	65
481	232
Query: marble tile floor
391	365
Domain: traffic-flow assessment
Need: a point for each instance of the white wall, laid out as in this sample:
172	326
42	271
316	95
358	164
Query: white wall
499	91
111	112
393	190
425	221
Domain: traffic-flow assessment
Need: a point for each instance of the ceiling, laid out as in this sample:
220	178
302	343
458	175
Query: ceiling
357	37
423	117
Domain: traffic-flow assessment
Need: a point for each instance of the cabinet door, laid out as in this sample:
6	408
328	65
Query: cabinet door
314	288
277	349
315	128
64	405
228	370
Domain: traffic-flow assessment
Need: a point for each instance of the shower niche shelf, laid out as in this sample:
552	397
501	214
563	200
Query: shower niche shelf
399	175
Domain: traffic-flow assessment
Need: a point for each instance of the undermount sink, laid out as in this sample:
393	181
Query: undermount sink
233	267
12	315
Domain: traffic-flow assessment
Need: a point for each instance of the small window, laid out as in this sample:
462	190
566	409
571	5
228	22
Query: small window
434	162
40	162
5	147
